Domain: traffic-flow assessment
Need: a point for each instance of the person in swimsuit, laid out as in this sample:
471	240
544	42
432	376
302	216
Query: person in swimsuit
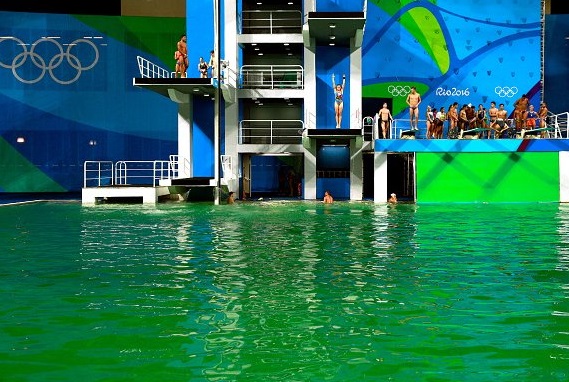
521	106
543	115
493	114
438	128
202	67
501	117
328	199
385	118
413	100
481	119
430	121
392	198
181	57
462	118
452	119
531	118
338	99
212	63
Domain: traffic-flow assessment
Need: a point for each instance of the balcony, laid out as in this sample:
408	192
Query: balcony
270	131
271	22
272	77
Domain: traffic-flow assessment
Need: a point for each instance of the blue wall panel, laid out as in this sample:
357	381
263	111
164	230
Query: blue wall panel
203	134
331	60
557	63
466	52
66	88
340	5
339	188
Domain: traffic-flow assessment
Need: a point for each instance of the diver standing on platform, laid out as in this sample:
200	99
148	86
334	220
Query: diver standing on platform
413	100
338	99
181	57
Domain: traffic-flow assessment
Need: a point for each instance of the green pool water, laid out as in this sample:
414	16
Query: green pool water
284	291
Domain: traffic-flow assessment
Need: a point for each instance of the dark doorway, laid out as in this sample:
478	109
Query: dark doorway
368	175
401	176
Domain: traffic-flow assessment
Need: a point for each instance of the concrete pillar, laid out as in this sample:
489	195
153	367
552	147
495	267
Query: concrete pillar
309	89
185	127
356	169
355	87
310	170
380	177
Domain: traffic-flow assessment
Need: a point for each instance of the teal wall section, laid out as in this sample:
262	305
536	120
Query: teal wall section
487	177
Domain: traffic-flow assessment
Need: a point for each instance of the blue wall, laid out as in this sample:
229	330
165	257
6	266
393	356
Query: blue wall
68	115
467	51
331	60
557	63
340	5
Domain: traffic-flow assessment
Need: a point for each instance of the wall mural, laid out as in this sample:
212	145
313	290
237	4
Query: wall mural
469	52
67	96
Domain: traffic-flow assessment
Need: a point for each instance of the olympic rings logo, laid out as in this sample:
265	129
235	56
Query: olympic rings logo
506	91
398	91
50	64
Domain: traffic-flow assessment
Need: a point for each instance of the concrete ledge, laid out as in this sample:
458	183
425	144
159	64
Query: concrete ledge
148	195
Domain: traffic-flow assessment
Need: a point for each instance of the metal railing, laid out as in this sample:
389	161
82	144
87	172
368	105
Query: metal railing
148	69
272	76
142	173
309	120
266	131
122	173
560	123
270	22
180	167
98	173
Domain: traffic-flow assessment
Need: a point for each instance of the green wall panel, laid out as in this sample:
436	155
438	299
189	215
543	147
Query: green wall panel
487	177
17	174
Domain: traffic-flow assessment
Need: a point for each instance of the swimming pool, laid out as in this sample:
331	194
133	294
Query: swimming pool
284	291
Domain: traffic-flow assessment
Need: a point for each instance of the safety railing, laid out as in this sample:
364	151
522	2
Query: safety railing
142	173
267	131
180	166
148	69
272	76
560	123
98	173
270	22
309	120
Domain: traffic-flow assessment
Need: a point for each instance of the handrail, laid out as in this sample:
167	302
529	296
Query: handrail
104	171
148	69
277	131
272	22
310	120
142	172
185	170
560	122
272	76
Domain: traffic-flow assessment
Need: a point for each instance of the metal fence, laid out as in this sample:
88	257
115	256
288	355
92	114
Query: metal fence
272	76
268	131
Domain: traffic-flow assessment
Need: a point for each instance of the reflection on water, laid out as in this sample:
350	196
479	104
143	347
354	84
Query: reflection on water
290	291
